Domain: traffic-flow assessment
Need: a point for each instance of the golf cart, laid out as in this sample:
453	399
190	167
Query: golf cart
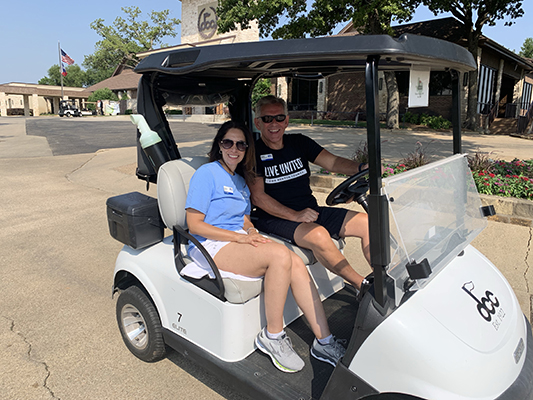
68	108
439	322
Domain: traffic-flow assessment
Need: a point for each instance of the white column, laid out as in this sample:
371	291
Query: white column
26	105
35	104
3	104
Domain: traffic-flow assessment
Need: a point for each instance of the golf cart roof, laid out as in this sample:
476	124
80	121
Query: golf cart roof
324	56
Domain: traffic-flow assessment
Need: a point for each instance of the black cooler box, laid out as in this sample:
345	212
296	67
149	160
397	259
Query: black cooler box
134	219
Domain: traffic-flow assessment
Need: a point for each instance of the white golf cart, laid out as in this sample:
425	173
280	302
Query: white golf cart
68	108
439	322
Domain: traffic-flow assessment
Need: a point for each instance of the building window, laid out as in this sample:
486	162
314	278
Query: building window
440	83
526	95
303	95
486	85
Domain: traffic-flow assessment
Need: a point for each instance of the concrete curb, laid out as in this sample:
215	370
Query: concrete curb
509	210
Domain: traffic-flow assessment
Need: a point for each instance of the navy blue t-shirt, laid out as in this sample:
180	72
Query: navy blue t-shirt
286	172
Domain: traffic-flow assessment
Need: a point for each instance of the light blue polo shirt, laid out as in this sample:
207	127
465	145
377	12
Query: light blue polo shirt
223	198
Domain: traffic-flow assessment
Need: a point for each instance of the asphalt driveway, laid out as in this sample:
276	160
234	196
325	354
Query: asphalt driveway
67	136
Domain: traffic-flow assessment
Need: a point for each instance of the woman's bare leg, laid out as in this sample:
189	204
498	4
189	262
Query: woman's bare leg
271	260
307	298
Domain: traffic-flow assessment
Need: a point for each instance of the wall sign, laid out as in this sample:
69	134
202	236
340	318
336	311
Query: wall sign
207	20
418	88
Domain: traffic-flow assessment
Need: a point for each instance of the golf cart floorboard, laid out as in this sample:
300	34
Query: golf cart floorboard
258	378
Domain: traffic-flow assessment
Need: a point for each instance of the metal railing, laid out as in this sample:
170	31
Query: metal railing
523	121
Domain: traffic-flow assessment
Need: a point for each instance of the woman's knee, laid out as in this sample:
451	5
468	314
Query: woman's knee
279	254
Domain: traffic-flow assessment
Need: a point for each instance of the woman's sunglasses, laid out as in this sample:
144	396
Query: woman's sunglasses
267	119
228	144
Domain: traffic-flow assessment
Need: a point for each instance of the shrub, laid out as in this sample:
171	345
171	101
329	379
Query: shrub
480	162
411	118
417	158
361	153
434	122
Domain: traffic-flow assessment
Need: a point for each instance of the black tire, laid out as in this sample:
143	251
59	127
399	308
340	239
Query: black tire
140	325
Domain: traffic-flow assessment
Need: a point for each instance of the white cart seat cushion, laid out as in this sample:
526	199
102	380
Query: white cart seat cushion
238	291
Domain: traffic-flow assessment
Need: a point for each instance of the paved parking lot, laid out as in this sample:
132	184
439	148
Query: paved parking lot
58	334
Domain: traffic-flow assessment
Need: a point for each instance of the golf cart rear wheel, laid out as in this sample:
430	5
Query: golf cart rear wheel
140	325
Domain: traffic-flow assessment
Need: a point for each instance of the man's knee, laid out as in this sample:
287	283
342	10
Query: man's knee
318	236
355	224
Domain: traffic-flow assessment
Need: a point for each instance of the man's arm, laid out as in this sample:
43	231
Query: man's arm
339	165
274	207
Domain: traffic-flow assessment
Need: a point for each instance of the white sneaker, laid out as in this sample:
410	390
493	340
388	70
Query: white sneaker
280	351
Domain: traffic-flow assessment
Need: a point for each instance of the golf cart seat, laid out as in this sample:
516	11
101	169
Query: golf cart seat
172	188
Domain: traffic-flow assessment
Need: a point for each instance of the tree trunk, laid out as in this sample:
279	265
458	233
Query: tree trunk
393	100
472	119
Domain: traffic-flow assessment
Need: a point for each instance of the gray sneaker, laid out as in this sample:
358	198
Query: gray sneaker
331	352
280	351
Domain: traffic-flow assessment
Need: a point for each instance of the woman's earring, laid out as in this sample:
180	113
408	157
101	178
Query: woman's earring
220	151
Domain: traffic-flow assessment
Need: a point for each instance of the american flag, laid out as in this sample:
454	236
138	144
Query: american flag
65	58
63	70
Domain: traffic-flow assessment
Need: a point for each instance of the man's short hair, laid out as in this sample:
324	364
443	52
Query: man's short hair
268	100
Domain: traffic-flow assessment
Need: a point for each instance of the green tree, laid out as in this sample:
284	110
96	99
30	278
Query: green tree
261	89
126	37
527	48
321	18
475	14
76	77
102	94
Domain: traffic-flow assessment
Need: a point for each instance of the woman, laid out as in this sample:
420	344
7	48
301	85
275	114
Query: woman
218	214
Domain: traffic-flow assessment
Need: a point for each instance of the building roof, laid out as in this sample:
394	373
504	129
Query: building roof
124	79
42	90
450	29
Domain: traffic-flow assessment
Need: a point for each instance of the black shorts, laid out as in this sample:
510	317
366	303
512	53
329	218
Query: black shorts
329	217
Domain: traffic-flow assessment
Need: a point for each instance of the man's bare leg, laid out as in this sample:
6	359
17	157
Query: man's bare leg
316	238
356	225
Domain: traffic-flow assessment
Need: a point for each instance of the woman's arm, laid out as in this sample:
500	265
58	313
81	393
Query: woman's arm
197	226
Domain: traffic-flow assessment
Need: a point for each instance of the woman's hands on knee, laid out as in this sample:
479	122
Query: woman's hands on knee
253	238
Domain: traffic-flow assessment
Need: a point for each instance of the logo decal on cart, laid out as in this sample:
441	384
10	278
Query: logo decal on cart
177	327
488	306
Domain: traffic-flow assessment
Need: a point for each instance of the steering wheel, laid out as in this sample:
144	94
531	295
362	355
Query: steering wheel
348	190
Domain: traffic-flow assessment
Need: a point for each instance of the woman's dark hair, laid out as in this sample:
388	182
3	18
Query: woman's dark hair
246	167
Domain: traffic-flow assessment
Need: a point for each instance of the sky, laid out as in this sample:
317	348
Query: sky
31	32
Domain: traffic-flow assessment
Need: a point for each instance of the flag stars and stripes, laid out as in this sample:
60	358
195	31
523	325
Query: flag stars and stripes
65	58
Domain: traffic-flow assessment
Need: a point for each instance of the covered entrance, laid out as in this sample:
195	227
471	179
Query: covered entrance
30	99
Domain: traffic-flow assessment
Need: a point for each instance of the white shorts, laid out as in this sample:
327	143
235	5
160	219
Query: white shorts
200	267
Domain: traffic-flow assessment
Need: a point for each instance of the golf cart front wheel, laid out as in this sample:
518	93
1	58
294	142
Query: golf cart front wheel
140	325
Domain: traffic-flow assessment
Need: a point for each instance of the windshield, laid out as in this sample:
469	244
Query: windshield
435	212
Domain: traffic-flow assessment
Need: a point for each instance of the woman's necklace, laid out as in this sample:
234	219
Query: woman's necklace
225	166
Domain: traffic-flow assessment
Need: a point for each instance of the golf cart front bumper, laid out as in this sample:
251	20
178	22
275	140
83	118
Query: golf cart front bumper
522	387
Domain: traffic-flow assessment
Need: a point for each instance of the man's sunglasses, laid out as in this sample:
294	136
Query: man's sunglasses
228	144
267	119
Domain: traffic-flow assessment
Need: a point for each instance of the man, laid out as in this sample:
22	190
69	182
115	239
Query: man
283	196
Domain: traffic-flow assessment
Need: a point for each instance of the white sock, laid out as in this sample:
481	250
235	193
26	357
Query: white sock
274	336
325	341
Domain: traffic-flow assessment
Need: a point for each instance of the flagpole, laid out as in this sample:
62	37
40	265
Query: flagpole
60	69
